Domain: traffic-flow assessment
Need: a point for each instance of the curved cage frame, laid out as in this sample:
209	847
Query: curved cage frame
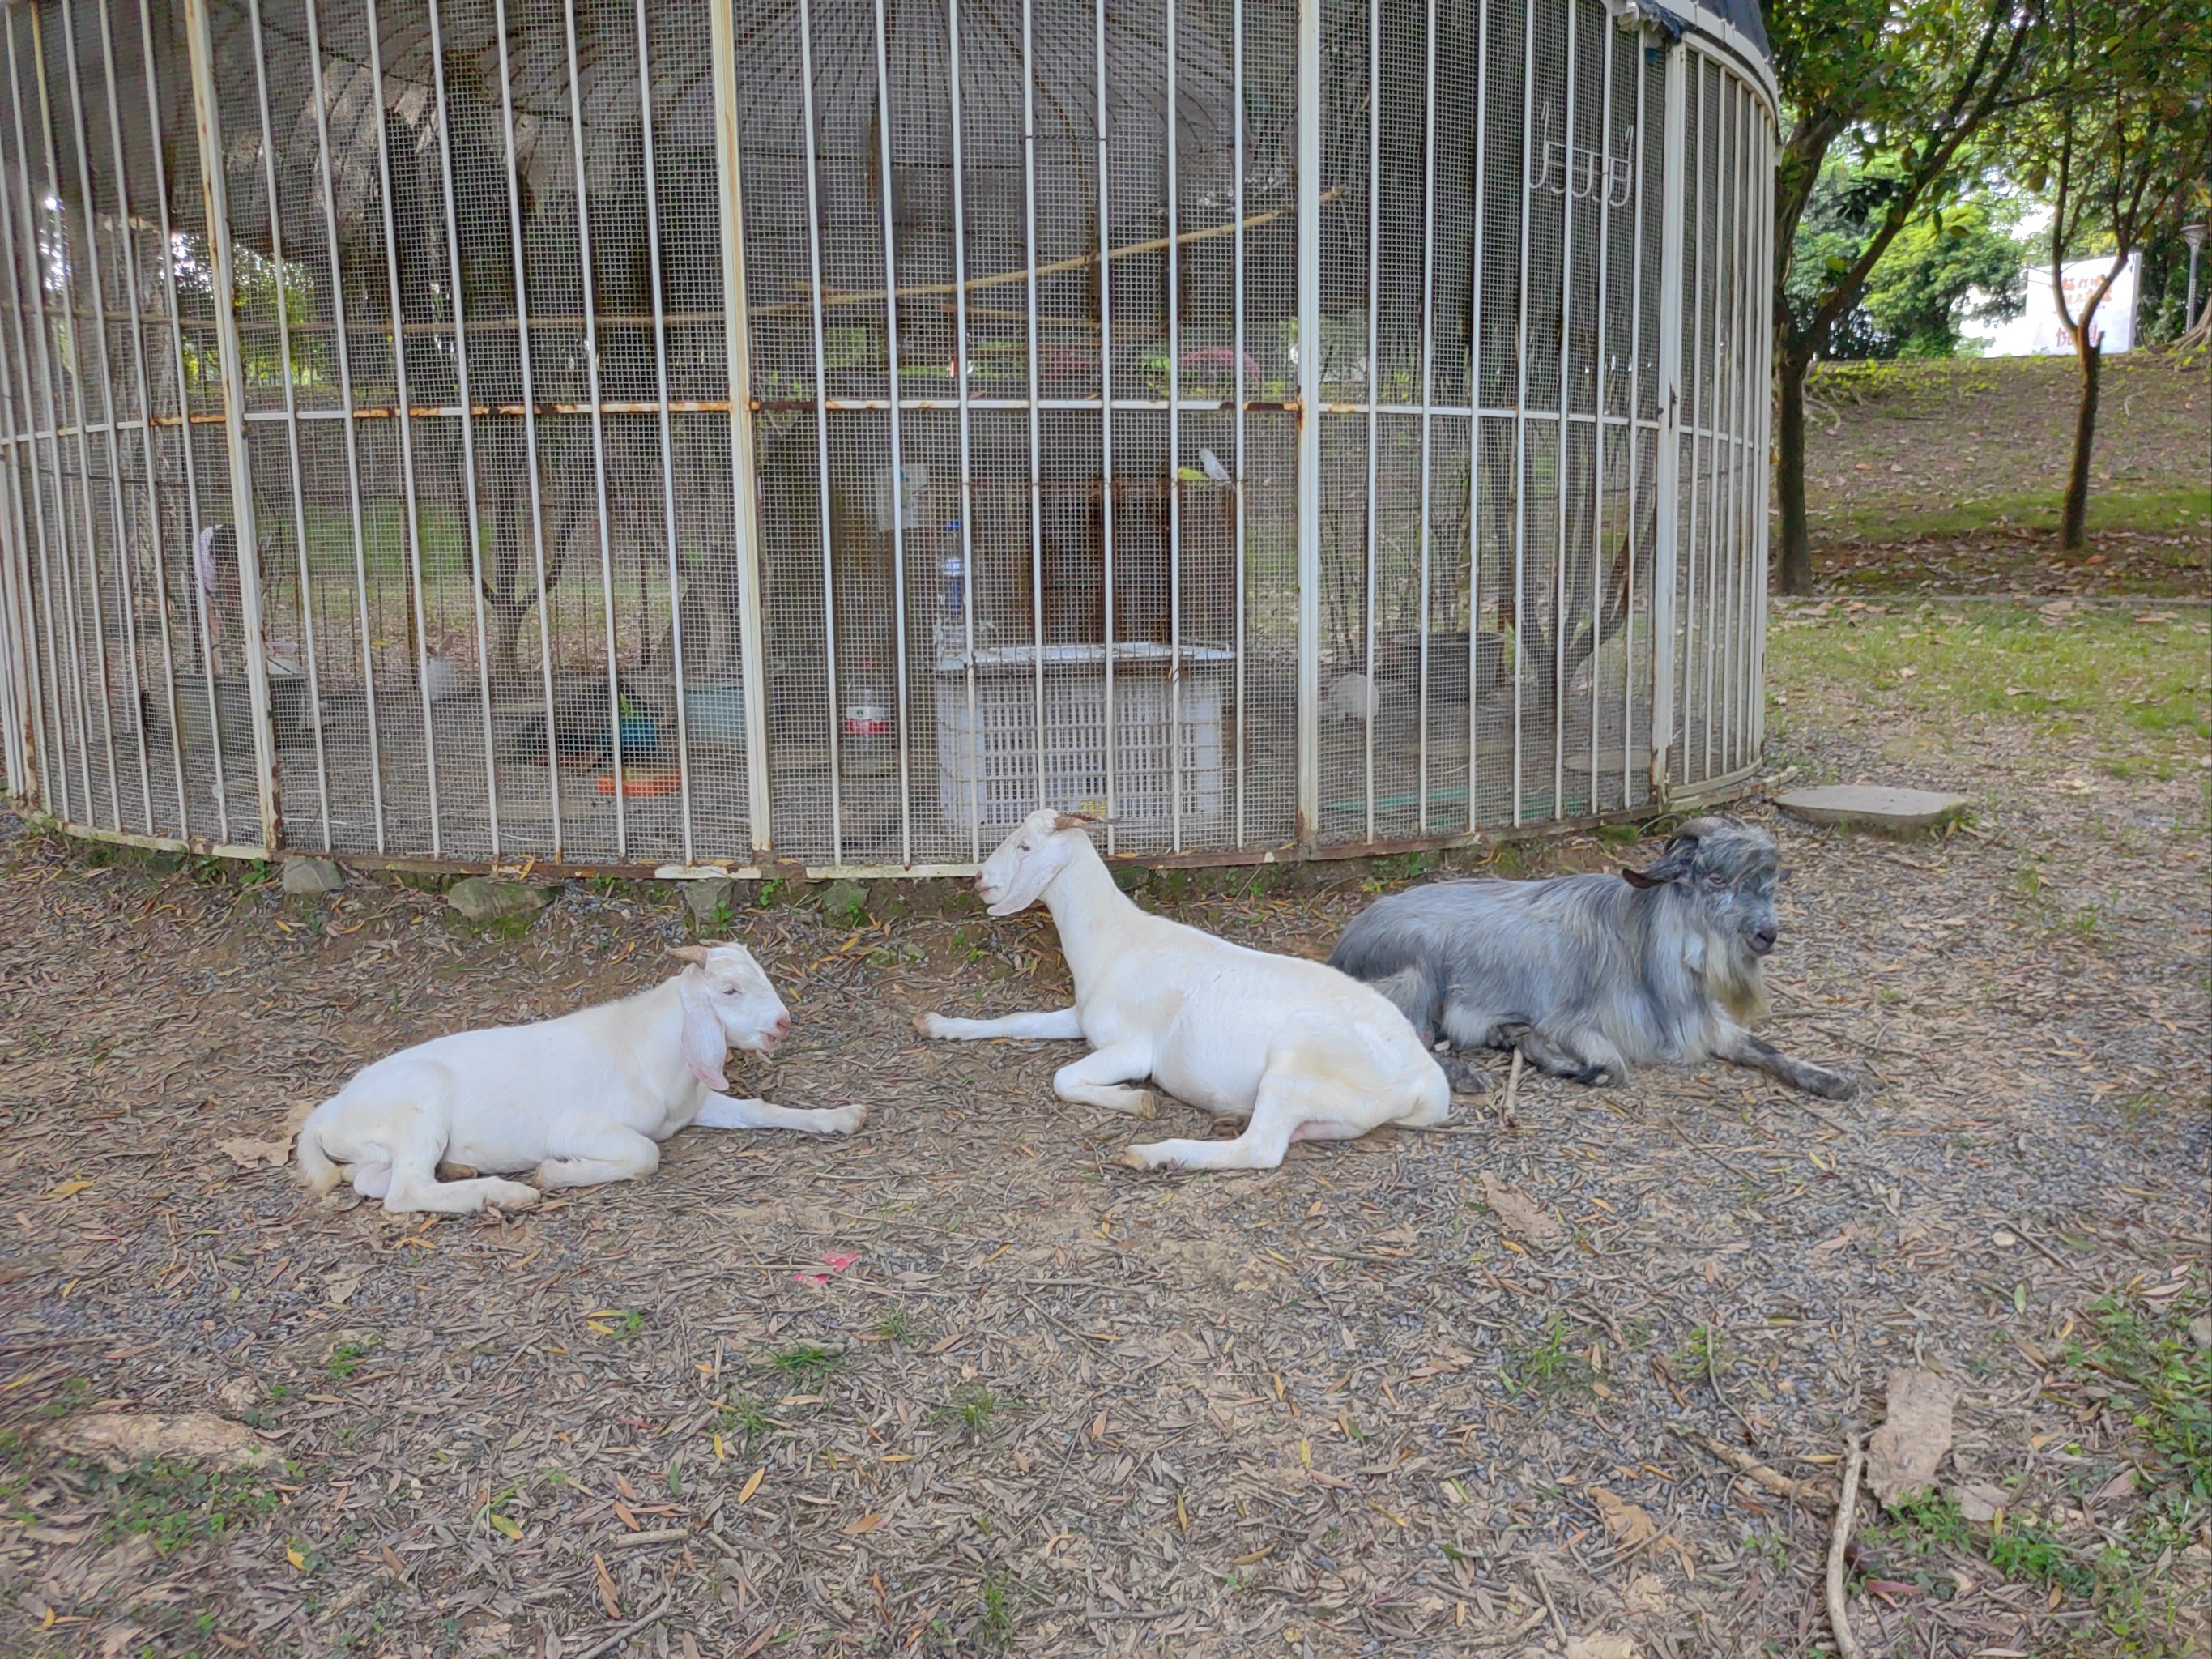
701	437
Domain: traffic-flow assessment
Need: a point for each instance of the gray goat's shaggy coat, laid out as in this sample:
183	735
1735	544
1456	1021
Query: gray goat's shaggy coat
1589	975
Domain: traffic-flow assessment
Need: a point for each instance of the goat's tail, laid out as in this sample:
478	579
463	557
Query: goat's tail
321	1174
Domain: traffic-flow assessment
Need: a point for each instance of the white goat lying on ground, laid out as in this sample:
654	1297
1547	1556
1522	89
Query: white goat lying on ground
580	1100
1304	1052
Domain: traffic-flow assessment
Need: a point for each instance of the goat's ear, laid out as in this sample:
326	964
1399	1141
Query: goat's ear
696	955
705	1046
1672	866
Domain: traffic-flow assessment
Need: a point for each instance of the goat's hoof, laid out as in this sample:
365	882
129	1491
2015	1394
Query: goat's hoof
847	1119
1135	1160
511	1195
1147	1105
1463	1079
926	1024
1832	1085
1596	1077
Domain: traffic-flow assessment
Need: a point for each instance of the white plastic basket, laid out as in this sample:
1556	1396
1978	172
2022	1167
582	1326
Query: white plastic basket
988	761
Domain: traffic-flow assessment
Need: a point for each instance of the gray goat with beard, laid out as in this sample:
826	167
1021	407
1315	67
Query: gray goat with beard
1589	975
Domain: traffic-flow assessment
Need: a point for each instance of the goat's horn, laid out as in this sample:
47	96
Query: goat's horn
1075	821
694	954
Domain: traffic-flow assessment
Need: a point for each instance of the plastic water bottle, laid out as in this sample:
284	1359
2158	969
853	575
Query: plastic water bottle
866	743
951	629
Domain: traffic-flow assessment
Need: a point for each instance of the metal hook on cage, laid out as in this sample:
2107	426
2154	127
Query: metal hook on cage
1543	147
1620	171
1587	189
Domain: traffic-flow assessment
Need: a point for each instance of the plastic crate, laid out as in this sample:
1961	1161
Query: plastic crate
987	759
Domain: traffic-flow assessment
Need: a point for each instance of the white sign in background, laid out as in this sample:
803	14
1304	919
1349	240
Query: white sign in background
2037	332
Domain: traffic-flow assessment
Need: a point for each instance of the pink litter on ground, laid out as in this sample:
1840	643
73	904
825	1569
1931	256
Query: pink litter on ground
837	1263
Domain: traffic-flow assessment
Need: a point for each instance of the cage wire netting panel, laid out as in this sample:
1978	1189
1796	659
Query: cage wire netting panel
1005	509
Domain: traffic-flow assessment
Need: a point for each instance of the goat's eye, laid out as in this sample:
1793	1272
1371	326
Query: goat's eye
1718	884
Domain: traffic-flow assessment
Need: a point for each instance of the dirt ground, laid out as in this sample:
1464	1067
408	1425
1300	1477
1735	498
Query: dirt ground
963	1384
1946	476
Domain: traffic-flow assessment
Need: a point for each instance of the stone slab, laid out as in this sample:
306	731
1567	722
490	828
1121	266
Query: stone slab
706	897
307	878
1871	807
479	898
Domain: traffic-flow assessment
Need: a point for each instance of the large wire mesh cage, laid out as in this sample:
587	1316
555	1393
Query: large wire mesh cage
810	434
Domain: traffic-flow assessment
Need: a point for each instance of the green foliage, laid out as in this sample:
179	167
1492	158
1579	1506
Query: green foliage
1898	89
1548	1365
972	1406
173	1503
742	1423
2141	1358
804	1365
347	1358
1914	296
2165	1386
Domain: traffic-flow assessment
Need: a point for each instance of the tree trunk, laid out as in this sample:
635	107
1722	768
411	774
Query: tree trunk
1796	553
2074	518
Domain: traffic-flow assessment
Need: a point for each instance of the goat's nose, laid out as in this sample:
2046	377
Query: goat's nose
782	1026
1763	940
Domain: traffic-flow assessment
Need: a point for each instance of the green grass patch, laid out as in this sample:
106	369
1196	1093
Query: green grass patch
2139	1360
1549	1366
2127	696
171	1503
2139	511
743	1424
972	1406
2162	1380
804	1366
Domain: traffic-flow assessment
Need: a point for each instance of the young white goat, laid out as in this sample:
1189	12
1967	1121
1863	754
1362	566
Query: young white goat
1303	1052
580	1100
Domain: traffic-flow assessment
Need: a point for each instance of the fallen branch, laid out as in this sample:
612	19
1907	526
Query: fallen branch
2033	1243
667	1605
1512	1093
1807	1494
1839	1614
638	1540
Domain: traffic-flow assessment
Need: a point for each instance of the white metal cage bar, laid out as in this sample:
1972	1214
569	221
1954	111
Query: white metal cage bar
808	454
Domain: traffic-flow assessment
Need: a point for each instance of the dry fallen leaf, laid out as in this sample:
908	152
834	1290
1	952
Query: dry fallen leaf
1629	1523
606	1586
250	1154
1633	1528
340	1282
1979	1502
867	1522
752	1486
1903	1453
1600	1647
1520	1214
68	1189
122	1440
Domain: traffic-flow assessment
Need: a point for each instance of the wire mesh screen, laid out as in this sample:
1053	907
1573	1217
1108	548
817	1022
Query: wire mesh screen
1722	559
615	433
